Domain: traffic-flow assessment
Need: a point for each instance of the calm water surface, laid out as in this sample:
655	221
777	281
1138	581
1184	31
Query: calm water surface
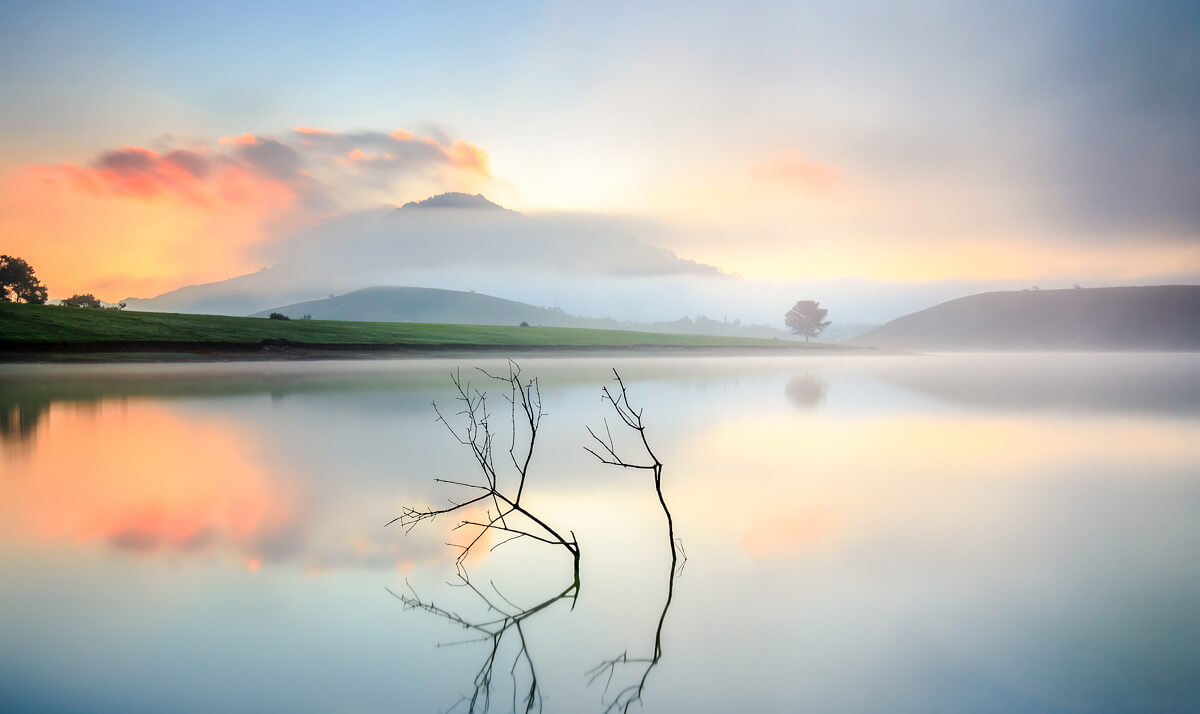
882	534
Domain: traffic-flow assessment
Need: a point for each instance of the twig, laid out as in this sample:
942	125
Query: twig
525	398
632	418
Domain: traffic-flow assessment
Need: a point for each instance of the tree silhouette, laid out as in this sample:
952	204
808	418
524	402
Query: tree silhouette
18	282
807	318
85	300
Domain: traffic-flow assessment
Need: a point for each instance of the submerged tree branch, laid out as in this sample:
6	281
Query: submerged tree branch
505	513
501	493
607	450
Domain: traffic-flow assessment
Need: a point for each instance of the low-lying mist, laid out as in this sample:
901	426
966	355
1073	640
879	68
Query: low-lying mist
589	266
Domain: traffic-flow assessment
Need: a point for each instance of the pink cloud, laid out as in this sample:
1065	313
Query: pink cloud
797	170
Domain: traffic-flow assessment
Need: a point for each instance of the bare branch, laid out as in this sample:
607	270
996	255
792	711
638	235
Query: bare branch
508	514
618	399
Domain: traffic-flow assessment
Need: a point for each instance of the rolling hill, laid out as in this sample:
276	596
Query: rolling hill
1151	318
411	304
408	304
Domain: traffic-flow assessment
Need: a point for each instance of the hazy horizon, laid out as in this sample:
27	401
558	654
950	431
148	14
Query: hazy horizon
587	265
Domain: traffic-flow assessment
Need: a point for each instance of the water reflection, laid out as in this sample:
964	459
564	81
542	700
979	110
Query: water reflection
19	421
1138	383
498	621
606	452
806	391
476	432
118	474
961	532
493	486
149	478
620	698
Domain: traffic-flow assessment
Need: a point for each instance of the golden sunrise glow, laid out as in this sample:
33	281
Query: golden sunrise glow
118	247
906	480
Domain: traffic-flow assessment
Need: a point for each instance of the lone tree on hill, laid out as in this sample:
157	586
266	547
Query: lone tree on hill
807	318
18	283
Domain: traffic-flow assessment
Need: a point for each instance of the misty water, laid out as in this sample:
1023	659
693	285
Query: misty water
982	533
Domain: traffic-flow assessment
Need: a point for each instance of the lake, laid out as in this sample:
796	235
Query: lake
942	533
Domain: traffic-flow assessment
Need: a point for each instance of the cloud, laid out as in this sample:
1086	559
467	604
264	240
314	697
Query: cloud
797	170
313	170
201	178
397	150
271	158
190	162
185	211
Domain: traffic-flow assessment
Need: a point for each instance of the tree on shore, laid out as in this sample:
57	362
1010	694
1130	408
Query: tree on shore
806	318
18	282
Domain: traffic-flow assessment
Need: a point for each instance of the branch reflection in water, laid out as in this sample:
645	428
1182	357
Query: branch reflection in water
607	453
497	623
501	615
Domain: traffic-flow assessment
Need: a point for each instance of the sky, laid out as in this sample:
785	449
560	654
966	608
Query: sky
147	145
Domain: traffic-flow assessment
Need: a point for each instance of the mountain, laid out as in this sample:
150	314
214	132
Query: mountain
409	304
1152	318
452	240
454	199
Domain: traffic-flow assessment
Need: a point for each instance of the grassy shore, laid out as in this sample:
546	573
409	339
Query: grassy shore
35	326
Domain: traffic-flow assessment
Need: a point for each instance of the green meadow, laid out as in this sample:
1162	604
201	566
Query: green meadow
31	325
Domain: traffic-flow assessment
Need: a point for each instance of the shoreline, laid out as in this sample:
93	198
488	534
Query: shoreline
283	350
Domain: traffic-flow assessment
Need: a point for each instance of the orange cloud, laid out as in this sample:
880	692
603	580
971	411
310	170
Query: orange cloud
136	221
403	148
240	140
356	156
468	156
797	170
194	176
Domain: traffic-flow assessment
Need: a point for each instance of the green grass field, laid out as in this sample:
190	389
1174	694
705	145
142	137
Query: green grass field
30	325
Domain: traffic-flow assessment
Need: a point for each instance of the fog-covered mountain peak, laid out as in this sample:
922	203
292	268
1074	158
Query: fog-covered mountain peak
454	199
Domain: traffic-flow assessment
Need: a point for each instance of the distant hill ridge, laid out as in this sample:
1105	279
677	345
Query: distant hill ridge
412	304
1150	318
409	304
